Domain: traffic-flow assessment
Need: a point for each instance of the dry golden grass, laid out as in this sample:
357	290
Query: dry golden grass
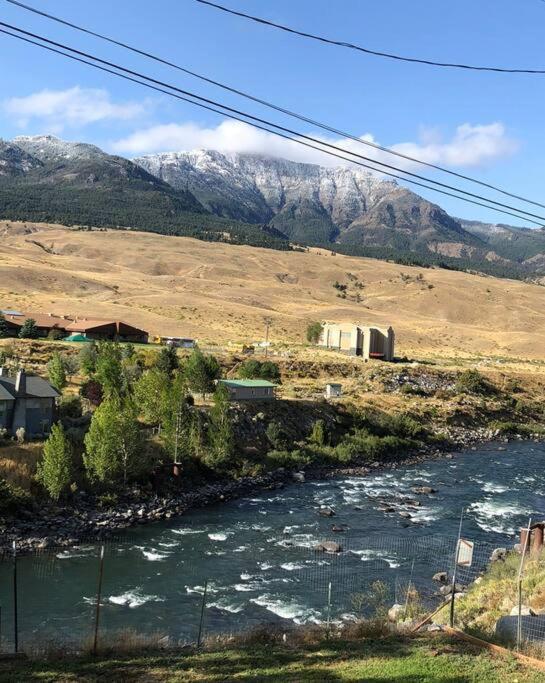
18	463
221	293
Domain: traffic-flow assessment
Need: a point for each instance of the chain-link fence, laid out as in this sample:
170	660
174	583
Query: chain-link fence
94	596
78	598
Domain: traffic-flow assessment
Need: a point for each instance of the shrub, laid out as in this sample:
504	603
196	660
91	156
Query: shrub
276	435
54	334
319	434
288	459
70	406
92	391
255	369
12	498
472	382
314	332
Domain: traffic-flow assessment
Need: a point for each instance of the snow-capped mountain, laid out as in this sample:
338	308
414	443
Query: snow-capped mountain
306	201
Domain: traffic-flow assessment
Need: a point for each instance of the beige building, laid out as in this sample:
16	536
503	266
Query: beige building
359	340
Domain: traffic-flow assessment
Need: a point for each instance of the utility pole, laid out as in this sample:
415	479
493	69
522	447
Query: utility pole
268	323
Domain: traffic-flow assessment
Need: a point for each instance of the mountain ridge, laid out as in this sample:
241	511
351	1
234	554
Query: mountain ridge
252	199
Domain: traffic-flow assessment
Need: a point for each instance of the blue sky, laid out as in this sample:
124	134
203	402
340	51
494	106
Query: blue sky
487	125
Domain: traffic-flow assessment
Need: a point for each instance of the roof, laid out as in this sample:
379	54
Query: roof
84	324
247	383
41	319
36	387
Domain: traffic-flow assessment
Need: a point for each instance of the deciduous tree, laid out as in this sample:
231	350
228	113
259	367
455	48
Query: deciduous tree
56	467
113	444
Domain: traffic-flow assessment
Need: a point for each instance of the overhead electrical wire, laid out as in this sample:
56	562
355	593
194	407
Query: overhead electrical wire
236	114
269	104
359	48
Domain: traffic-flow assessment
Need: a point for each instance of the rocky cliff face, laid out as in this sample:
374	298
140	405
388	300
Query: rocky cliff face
306	201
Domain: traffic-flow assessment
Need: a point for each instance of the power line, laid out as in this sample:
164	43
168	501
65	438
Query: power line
251	122
368	51
269	104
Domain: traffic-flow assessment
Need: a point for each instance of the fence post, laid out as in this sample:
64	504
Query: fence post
203	607
408	591
15	601
328	608
99	598
519	586
455	570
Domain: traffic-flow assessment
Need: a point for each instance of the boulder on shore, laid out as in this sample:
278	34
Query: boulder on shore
498	555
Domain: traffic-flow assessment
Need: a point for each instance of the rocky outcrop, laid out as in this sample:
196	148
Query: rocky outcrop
308	202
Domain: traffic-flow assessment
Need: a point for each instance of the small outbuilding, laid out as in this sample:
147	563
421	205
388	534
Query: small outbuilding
249	389
333	390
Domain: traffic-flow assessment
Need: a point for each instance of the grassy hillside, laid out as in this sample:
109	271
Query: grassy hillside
220	293
403	660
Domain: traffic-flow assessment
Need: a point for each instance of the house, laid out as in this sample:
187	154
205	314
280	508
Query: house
112	330
27	401
45	322
93	328
333	390
359	340
249	389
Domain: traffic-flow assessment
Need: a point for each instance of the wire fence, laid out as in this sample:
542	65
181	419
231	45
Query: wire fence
78	599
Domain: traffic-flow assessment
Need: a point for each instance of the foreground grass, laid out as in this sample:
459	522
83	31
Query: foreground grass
388	660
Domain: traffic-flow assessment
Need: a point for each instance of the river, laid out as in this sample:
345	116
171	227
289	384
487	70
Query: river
257	554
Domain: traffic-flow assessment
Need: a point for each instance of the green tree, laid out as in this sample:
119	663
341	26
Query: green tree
113	444
149	394
28	329
276	435
56	467
176	420
4	329
314	331
167	360
109	371
56	371
220	432
319	433
88	358
198	442
201	371
255	369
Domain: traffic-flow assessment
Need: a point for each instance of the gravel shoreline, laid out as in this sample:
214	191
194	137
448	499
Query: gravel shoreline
82	522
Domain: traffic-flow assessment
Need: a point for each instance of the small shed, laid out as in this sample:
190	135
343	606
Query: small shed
333	390
249	389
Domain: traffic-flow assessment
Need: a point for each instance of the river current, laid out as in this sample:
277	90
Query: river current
257	554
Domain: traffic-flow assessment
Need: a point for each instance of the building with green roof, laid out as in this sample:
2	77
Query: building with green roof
249	389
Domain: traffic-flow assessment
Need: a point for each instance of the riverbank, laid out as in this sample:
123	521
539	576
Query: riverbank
83	521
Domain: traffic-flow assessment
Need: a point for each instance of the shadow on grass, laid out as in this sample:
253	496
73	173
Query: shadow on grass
367	660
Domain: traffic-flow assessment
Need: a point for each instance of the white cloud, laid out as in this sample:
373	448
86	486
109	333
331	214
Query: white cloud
470	146
75	107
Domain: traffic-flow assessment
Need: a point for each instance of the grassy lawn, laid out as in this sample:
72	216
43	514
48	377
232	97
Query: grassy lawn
391	660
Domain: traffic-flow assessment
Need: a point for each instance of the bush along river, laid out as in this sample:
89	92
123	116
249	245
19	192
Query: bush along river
263	557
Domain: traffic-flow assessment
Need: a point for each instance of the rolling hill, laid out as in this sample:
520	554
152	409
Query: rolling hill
219	293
